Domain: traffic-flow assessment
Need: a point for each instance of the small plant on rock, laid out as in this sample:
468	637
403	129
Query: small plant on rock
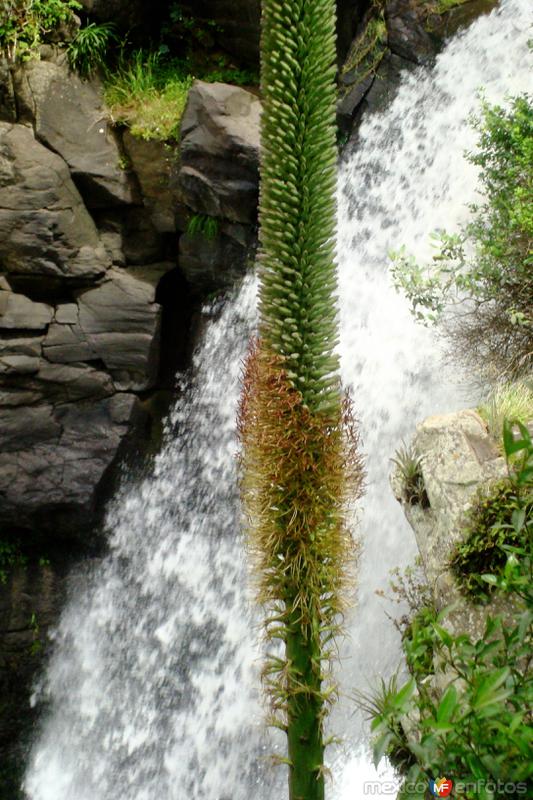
409	465
88	49
203	225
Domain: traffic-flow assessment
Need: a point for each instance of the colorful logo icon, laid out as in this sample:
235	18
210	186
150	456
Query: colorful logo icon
442	787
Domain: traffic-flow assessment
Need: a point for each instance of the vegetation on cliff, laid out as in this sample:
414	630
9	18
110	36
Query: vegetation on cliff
481	279
466	710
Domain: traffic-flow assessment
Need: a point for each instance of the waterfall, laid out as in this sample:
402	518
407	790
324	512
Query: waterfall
152	688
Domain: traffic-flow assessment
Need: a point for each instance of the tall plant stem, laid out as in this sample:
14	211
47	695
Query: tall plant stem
304	715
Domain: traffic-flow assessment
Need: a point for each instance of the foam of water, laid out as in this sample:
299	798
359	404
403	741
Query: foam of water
152	685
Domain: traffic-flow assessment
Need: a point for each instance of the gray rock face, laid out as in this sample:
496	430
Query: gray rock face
64	371
119	321
219	172
418	36
53	457
458	457
69	117
45	230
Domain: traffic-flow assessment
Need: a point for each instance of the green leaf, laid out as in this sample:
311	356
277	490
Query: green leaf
486	693
380	747
401	699
447	705
443	635
518	518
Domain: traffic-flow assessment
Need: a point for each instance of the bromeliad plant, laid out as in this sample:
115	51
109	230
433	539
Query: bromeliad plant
299	460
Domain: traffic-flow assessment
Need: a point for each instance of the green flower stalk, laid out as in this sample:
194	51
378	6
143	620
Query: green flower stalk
300	467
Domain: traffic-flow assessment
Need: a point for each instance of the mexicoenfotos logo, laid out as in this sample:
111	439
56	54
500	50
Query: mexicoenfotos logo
441	787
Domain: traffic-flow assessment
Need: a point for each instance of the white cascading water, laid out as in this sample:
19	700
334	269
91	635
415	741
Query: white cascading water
152	687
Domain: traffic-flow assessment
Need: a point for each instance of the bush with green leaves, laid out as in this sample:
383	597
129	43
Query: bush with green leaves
500	516
478	728
482	276
24	24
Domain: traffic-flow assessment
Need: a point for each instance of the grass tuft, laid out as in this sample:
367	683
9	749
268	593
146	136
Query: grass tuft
149	95
508	401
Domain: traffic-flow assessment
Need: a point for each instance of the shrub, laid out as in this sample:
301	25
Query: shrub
24	24
489	262
478	727
11	557
500	517
488	527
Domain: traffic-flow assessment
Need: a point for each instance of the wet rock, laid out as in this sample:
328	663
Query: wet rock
417	34
155	165
387	82
213	264
69	117
30	601
45	230
408	35
219	173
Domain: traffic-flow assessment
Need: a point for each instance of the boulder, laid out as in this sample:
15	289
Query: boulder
45	229
69	117
219	173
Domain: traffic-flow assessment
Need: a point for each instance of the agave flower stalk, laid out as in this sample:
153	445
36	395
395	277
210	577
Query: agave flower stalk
300	466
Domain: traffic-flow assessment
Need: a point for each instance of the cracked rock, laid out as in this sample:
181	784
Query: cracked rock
69	117
45	230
